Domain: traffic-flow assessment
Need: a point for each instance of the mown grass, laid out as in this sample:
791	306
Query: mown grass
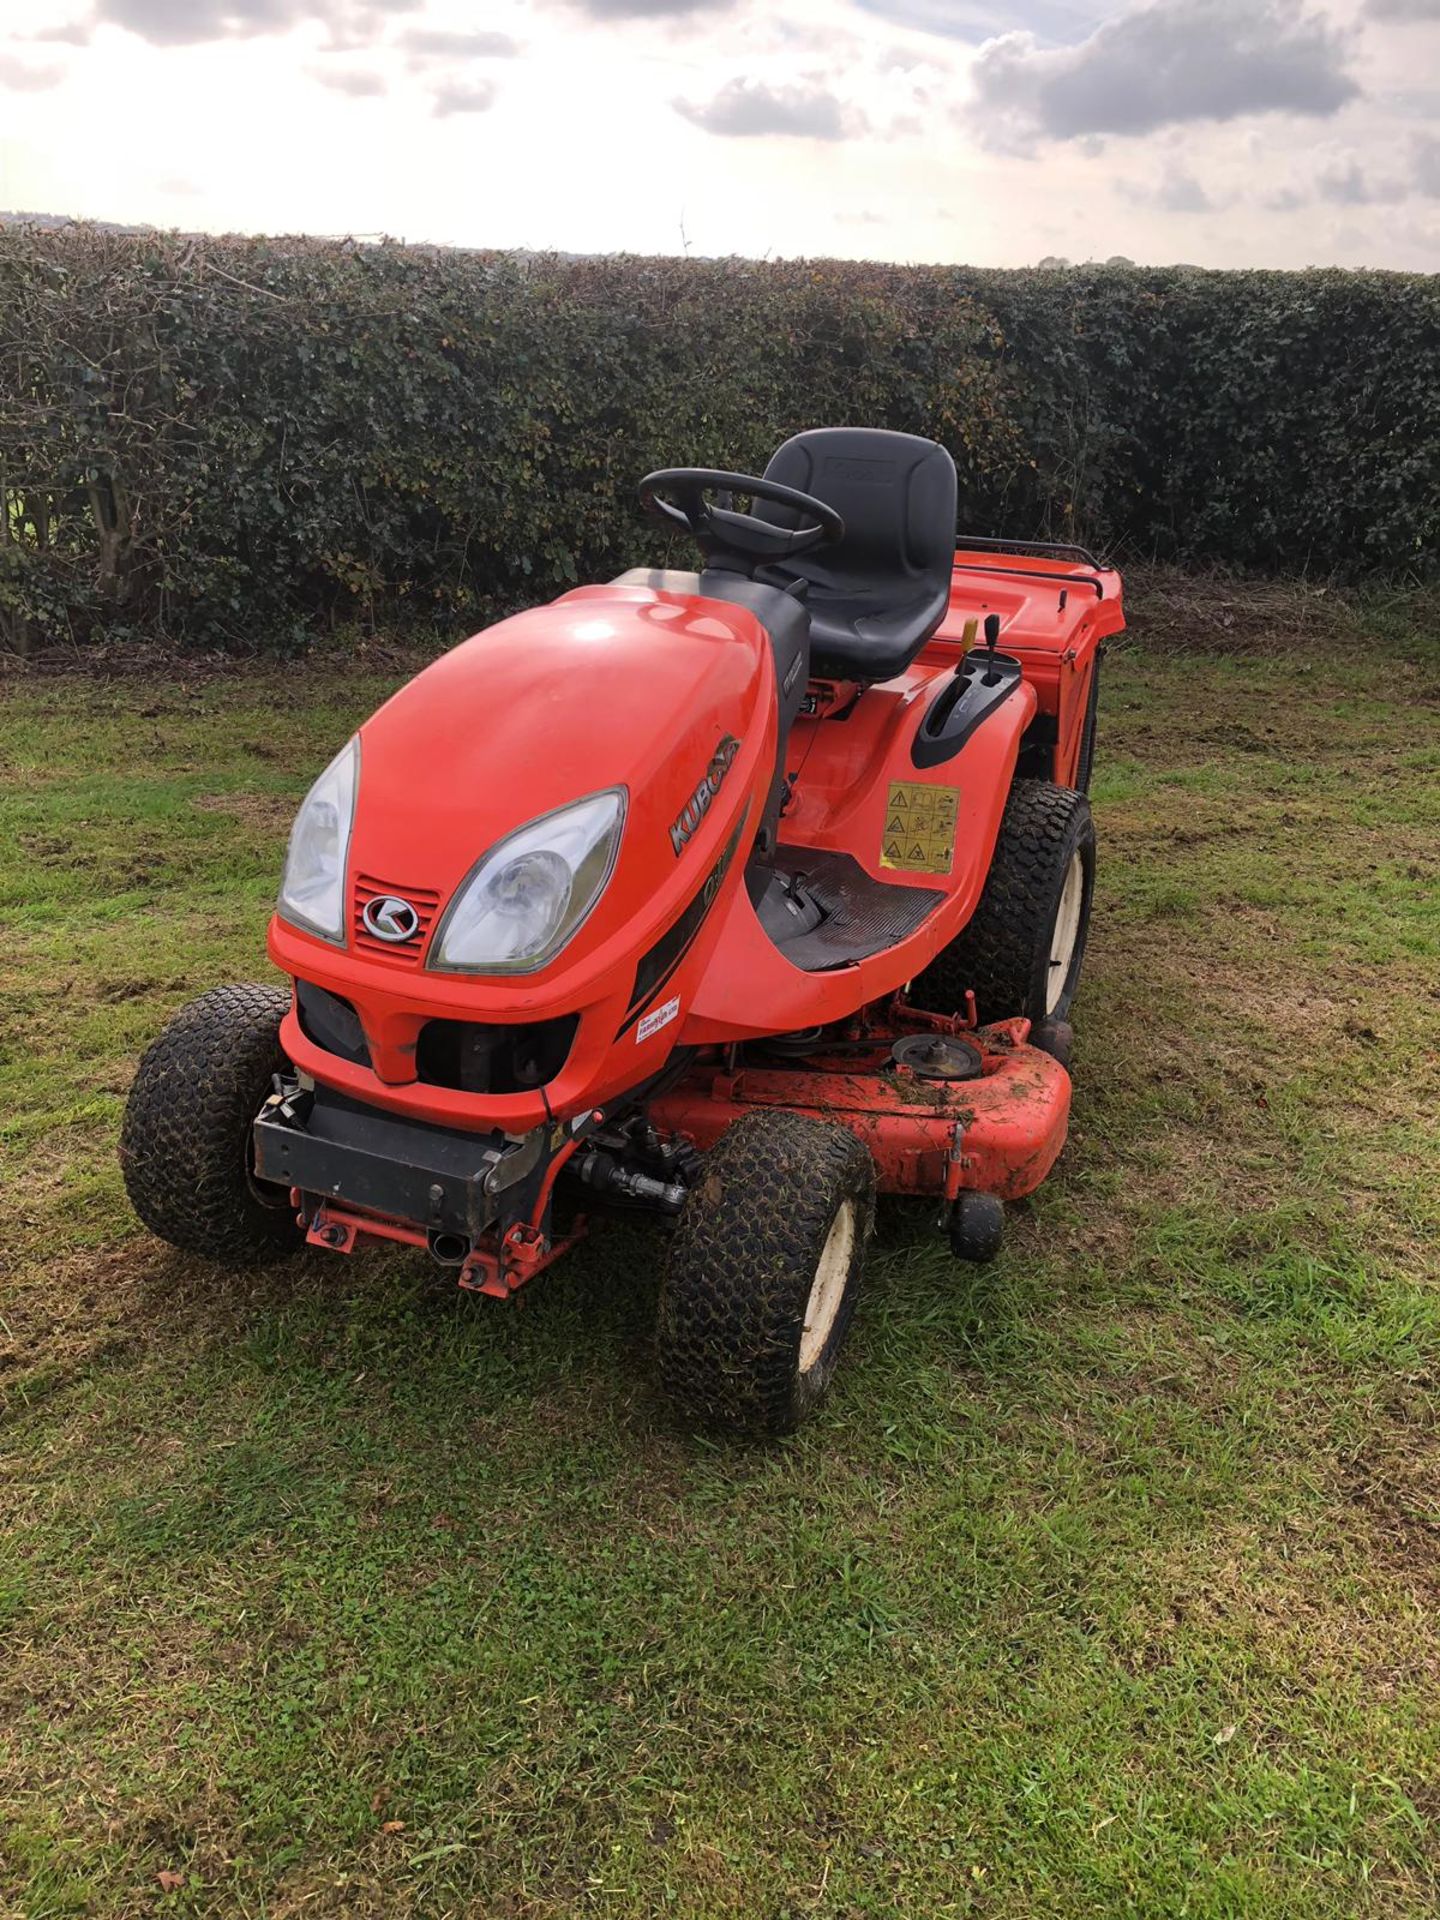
1105	1584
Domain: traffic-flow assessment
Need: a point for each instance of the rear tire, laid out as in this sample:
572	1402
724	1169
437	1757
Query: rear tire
763	1273
1024	945
185	1149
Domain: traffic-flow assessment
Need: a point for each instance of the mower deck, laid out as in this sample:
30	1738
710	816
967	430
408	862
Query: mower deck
999	1132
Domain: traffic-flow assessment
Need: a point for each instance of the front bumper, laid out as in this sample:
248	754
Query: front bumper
441	1181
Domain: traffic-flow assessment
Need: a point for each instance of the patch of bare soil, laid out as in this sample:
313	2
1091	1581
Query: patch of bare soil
149	660
62	1317
1168	610
270	812
1393	1491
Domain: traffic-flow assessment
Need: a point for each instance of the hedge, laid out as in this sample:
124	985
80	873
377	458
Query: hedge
232	442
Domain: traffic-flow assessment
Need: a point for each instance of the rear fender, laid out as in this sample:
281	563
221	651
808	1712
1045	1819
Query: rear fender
1055	615
859	792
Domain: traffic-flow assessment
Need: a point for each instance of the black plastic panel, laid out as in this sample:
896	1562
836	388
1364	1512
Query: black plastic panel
984	681
426	1174
472	1057
332	1023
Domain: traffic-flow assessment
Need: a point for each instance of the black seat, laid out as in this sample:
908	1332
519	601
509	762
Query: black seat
876	598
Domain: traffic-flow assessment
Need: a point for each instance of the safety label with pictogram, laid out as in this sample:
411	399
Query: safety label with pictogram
919	835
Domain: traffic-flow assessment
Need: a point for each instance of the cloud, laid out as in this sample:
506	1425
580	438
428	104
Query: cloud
74	33
746	108
1406	12
464	96
356	83
430	43
176	23
974	20
1181	192
1178	192
17	76
648	9
1348	185
1166	63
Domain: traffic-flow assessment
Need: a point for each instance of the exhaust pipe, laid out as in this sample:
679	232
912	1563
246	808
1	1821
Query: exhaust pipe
449	1249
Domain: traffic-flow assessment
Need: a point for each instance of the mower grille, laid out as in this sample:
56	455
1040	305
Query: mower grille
406	951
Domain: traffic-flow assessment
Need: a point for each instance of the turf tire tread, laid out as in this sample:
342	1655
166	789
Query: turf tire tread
998	953
184	1138
741	1265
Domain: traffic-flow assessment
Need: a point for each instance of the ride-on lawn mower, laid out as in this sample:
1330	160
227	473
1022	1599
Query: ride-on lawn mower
724	897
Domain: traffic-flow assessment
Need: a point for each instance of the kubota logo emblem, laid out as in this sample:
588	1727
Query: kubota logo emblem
389	917
698	805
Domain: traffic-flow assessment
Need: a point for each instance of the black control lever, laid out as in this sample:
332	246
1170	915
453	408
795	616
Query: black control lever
992	635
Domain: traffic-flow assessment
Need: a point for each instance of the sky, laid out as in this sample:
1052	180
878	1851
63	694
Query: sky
1222	133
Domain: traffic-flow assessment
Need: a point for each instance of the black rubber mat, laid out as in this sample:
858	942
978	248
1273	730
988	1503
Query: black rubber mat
862	916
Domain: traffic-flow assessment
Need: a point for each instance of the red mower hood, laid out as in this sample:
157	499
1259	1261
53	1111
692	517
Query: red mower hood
606	687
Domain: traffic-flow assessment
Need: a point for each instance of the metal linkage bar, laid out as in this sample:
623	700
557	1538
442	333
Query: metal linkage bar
983	543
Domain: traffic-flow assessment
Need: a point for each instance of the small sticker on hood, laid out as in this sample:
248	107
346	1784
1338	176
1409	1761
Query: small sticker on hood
657	1018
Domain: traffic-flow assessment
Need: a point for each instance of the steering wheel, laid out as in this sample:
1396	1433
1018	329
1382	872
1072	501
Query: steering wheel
725	536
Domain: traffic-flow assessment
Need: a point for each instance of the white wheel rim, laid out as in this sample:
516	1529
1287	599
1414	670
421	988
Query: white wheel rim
1066	932
827	1289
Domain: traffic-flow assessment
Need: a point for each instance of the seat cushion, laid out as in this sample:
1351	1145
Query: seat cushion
877	596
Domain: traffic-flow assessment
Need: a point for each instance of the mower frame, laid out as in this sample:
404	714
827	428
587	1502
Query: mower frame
998	1133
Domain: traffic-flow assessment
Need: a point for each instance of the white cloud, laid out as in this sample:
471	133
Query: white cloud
431	43
1164	64
749	107
18	76
463	96
1348	184
648	9
176	23
351	81
1181	192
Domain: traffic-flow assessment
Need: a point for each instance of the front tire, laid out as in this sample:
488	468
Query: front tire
763	1273
1022	948
185	1149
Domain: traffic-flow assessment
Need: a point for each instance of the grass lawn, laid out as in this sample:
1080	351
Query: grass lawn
1105	1584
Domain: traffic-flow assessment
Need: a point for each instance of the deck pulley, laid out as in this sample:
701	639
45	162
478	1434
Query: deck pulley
938	1056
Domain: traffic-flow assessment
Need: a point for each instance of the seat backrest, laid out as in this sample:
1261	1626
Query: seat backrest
896	492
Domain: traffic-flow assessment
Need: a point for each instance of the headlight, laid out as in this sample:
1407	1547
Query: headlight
529	894
312	893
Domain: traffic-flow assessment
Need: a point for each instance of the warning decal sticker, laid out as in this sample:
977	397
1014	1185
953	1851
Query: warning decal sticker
919	834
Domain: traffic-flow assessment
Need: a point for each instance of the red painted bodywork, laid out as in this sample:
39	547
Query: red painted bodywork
627	686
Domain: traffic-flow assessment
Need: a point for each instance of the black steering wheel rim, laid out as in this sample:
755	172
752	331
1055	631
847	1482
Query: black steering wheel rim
738	533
